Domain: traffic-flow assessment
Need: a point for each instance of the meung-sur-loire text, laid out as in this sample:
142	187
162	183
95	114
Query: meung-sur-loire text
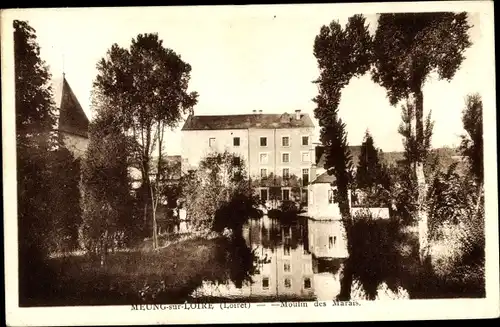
189	306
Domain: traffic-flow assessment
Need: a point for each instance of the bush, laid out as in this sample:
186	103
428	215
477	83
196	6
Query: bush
289	207
383	292
274	213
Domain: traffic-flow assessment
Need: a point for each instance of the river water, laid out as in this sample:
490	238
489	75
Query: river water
300	260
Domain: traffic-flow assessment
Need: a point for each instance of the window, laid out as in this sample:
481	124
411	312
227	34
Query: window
211	142
263	173
263	141
285	157
236	141
288	283
265	283
286	173
285	141
286	266
334	240
305	176
286	194
305	157
307	283
263	194
330	242
305	140
286	250
264	158
330	196
236	161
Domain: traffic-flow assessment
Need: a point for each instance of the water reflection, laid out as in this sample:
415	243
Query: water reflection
298	260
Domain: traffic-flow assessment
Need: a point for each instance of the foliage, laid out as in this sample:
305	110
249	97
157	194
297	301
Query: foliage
450	197
289	208
407	47
66	216
37	206
341	55
106	197
218	194
35	120
145	89
471	146
372	175
411	146
368	169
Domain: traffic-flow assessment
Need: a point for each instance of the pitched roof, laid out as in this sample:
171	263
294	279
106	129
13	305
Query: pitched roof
321	155
72	118
257	120
324	178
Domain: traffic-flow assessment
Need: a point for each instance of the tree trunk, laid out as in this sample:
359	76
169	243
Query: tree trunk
422	214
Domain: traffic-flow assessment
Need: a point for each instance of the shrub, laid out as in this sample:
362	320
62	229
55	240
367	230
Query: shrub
383	292
289	208
273	213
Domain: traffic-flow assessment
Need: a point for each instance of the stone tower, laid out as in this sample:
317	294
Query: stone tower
73	123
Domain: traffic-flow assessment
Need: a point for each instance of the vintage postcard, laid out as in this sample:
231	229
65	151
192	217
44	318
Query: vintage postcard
254	163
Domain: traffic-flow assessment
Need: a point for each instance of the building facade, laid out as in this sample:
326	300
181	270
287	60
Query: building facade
276	148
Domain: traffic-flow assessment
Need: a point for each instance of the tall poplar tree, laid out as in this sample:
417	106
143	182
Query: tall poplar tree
407	48
341	55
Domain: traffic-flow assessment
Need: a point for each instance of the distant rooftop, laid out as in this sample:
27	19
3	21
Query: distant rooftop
256	120
321	156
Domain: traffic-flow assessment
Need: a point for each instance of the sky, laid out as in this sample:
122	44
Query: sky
251	58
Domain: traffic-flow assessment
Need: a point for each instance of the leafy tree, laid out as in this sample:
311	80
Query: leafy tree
471	146
369	165
66	216
341	55
35	121
106	196
145	88
219	194
407	48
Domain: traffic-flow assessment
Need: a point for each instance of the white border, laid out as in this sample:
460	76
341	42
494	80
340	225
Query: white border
368	311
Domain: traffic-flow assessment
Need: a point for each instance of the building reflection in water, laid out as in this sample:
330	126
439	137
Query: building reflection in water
299	260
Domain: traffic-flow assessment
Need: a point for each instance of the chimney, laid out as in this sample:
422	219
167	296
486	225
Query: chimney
297	114
260	111
254	111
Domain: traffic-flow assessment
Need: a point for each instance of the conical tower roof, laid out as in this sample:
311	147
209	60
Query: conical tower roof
72	118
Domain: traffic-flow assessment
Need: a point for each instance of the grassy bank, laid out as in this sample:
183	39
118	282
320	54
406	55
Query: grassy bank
167	275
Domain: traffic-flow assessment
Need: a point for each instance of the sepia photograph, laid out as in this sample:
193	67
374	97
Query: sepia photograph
314	162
